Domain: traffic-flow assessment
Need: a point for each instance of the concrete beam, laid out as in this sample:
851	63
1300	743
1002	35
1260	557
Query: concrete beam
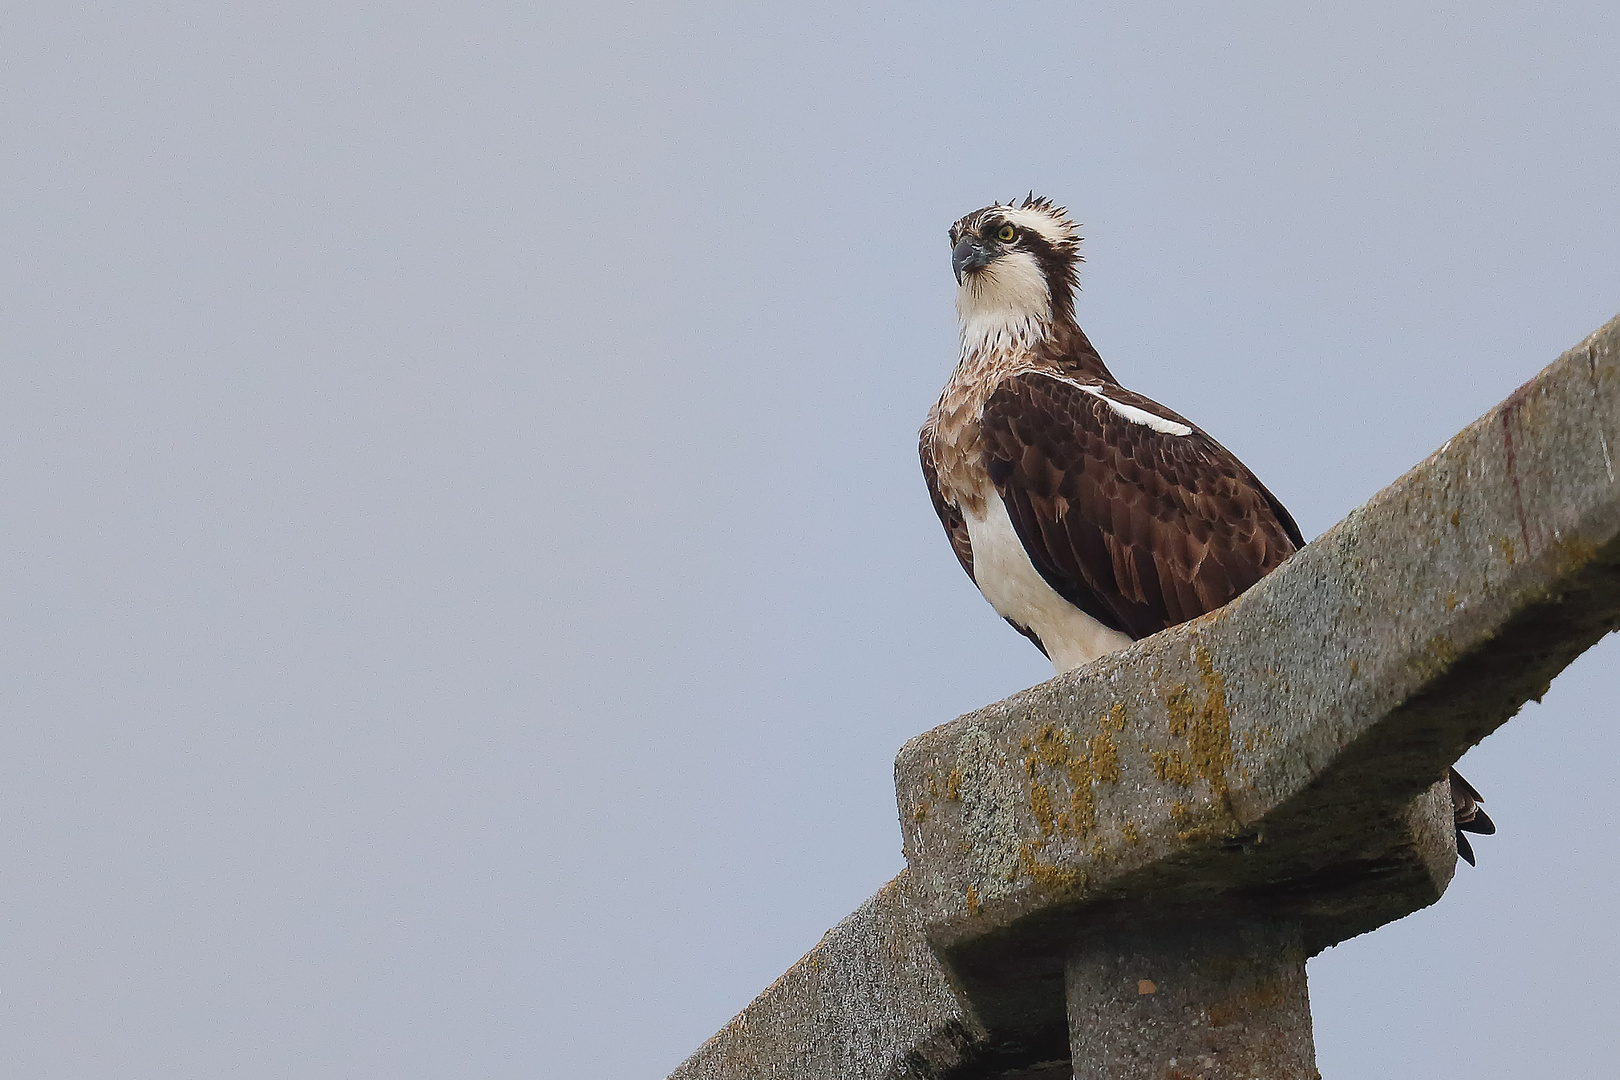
1280	754
869	1001
1273	764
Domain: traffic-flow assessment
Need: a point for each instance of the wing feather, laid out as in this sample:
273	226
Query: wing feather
1139	527
949	516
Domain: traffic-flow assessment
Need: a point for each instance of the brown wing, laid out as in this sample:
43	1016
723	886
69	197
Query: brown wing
955	525
949	516
1139	528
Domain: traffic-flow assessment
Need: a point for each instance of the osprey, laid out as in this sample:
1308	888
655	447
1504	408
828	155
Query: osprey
1088	515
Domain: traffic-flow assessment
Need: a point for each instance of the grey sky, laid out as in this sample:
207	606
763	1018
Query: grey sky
467	568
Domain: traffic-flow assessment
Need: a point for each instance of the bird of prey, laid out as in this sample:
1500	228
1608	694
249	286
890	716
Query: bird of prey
1088	515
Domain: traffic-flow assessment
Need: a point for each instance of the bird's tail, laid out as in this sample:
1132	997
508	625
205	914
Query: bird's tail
1467	814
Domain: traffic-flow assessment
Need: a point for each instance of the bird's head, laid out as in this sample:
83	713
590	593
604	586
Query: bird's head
1016	265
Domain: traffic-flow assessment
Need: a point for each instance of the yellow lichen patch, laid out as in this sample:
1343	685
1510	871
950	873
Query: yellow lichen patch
1082	804
1456	518
1209	740
1206	729
1451	601
1040	804
1206	831
1105	757
1206	732
1504	544
1171	767
1049	874
972	899
1438	654
919	812
1116	717
1199	823
1179	811
1051	745
1178	704
953	785
1130	833
1080	772
1355	669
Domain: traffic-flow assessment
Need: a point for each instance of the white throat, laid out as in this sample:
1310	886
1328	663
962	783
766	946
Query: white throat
1005	304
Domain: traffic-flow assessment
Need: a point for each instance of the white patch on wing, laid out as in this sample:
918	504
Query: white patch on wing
1129	412
1017	591
1006	303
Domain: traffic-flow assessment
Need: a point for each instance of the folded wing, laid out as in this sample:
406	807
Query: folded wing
1129	512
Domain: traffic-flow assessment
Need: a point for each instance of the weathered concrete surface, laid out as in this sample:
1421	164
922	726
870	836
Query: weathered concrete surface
869	1000
1278	756
1280	750
1222	996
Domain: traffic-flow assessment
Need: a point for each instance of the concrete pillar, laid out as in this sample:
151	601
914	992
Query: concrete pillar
1216	999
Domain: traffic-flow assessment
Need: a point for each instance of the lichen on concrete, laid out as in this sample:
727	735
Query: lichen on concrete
1289	735
1282	759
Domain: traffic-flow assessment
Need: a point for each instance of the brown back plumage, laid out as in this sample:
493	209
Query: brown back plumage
1138	528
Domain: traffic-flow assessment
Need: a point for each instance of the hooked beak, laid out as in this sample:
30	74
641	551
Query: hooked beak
968	255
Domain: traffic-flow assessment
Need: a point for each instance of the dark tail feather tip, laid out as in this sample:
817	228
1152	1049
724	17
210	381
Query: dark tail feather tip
1465	849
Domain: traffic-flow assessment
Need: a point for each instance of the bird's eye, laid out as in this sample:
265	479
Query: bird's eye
1006	233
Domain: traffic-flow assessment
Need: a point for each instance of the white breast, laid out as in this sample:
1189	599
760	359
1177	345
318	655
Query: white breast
1017	591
